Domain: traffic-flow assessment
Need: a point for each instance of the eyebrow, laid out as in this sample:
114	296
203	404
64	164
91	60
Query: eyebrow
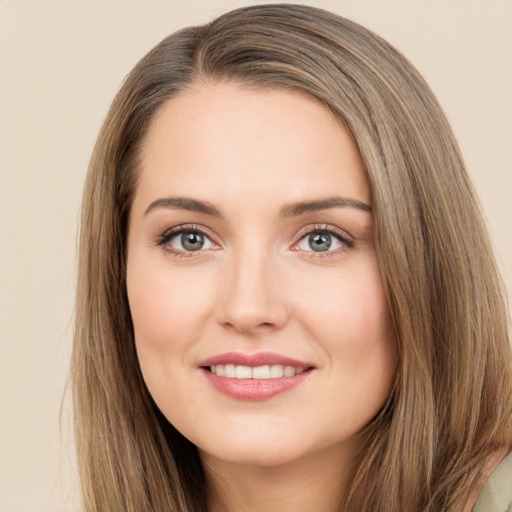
302	207
289	210
185	203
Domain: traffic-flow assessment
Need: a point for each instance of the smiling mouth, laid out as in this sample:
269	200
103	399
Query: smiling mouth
255	383
274	371
254	377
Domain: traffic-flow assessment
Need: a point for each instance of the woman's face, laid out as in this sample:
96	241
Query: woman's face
261	323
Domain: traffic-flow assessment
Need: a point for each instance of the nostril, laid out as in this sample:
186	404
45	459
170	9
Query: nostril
247	324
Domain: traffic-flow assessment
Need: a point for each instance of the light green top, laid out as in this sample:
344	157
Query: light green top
496	495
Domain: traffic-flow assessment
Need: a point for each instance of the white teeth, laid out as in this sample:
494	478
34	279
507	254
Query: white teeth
243	372
275	371
261	372
229	371
289	371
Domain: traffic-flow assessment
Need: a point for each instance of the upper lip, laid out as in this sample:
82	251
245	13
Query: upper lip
253	360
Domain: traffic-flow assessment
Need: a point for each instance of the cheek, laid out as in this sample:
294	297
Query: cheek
351	322
350	305
165	306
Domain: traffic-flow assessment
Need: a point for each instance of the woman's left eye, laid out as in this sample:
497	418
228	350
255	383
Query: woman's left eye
322	241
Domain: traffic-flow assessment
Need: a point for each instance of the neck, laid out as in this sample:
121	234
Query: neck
316	482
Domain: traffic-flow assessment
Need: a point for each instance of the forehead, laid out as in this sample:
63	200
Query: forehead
219	141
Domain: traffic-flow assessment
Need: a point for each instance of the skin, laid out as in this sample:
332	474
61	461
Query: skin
258	286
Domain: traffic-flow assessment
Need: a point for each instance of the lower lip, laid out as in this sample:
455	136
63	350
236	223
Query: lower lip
254	389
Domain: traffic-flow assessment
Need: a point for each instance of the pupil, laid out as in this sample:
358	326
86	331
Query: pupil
320	242
192	241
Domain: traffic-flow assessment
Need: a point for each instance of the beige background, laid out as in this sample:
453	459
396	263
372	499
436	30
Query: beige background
60	65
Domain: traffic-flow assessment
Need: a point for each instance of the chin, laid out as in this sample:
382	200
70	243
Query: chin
261	447
257	446
254	455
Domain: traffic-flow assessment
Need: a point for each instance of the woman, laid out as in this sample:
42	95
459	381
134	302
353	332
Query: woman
287	299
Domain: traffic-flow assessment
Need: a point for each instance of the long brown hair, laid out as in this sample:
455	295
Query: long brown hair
451	405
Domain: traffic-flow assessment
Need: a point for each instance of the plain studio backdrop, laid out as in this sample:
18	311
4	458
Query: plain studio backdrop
61	62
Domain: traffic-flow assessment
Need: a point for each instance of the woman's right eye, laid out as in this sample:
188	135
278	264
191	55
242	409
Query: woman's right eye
186	241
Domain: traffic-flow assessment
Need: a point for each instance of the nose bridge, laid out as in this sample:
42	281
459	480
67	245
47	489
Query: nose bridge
251	297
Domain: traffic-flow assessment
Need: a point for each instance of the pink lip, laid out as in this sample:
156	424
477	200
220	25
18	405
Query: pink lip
254	389
260	359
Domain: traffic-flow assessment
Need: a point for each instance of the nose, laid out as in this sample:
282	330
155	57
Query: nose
252	298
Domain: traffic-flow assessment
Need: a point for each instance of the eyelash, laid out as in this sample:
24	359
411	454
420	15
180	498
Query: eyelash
348	242
164	239
342	236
